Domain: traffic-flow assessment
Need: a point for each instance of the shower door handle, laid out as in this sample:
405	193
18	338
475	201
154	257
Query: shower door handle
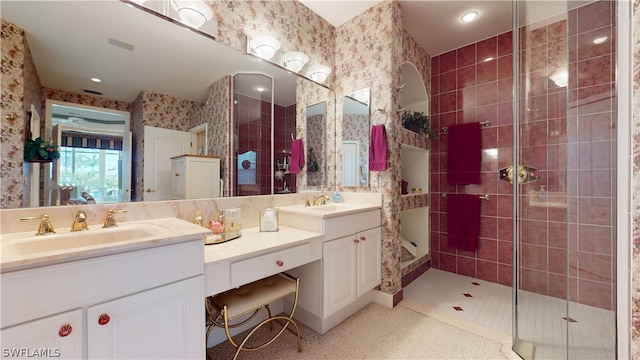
524	174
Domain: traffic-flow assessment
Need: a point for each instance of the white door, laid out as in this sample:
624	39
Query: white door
163	323
160	145
350	166
339	270
369	260
54	337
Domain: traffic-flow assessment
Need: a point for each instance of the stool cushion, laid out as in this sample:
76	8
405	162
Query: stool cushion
252	296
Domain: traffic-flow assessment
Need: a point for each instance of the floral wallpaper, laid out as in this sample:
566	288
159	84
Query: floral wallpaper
158	110
293	24
13	114
216	113
369	55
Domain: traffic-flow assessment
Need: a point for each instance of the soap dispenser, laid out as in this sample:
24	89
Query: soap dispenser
542	194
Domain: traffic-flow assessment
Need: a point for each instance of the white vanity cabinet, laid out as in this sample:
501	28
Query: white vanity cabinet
146	303
57	336
156	323
352	267
195	177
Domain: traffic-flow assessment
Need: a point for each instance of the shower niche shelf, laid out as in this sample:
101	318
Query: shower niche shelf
415	229
415	169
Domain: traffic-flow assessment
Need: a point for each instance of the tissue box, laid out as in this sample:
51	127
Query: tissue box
269	220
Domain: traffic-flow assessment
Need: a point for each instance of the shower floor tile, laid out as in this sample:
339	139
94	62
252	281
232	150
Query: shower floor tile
592	335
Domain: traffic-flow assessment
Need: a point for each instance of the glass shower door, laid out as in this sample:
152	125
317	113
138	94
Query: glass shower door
564	223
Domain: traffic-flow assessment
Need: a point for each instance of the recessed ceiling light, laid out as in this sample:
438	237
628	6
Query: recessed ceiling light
96	80
600	40
470	16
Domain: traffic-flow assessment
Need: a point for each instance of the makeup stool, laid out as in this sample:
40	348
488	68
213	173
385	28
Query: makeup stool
223	308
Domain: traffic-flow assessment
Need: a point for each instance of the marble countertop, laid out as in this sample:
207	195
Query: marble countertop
254	242
26	250
329	210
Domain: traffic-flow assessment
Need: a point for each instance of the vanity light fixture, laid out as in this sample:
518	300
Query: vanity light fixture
469	16
264	46
318	72
560	78
294	60
194	13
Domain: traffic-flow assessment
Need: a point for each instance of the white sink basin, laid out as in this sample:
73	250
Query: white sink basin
328	210
28	243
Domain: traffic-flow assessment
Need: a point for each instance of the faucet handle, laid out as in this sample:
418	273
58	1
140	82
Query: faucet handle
80	222
110	221
45	225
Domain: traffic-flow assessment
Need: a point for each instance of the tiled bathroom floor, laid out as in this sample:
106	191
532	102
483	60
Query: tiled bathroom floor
592	330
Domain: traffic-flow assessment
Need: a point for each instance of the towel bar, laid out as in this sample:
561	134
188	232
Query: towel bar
483	197
444	129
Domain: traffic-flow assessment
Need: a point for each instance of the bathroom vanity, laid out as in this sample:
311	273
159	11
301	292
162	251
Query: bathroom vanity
335	288
132	295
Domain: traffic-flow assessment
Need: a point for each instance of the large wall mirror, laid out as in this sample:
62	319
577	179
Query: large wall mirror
355	139
164	76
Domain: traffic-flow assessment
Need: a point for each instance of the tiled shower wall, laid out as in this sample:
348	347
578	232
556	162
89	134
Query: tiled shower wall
566	132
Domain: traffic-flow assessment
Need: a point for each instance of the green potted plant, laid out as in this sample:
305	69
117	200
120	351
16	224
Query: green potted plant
418	122
38	150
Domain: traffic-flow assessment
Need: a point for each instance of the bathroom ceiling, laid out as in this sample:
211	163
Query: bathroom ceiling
436	24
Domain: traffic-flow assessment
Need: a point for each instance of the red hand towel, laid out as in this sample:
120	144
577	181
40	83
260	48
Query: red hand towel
464	154
297	156
378	148
463	221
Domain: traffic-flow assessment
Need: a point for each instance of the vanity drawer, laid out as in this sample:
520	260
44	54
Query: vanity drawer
259	267
346	225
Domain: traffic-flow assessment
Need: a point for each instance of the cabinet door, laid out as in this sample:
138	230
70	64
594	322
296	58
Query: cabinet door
339	270
203	178
369	260
179	173
162	323
58	336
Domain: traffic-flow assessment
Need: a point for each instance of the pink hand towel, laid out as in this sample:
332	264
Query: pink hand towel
463	221
464	154
297	156
378	148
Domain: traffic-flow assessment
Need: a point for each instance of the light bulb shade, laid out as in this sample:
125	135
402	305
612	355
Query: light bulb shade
265	46
194	13
318	72
294	60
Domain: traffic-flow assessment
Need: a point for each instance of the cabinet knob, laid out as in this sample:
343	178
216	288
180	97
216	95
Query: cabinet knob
103	319
279	263
65	330
356	241
177	174
363	238
149	190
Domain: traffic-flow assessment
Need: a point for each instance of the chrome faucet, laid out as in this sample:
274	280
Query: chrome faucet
45	225
320	200
80	222
110	221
